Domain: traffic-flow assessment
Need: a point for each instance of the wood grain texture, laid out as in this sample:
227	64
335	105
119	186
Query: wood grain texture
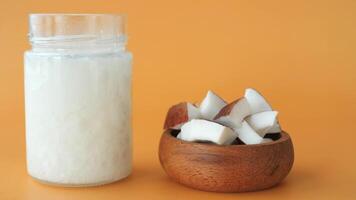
234	168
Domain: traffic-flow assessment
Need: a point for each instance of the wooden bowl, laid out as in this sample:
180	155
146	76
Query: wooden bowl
233	168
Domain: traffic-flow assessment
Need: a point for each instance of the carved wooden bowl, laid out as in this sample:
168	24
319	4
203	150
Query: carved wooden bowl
233	168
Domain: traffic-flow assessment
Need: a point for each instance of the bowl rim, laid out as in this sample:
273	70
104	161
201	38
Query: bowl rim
284	137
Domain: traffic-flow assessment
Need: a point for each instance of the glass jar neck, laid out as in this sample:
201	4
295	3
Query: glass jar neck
78	44
77	32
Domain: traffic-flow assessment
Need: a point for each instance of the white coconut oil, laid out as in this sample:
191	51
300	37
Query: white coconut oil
78	110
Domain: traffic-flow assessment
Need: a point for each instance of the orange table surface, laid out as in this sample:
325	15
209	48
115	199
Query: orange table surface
299	54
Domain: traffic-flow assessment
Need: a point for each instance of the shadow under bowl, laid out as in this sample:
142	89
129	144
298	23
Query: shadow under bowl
233	168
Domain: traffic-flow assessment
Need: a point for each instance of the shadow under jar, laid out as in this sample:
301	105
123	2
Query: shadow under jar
78	99
232	168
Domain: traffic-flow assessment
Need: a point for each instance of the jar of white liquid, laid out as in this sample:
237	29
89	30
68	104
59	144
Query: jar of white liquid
78	99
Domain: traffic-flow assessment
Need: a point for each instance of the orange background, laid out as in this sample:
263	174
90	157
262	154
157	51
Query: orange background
299	54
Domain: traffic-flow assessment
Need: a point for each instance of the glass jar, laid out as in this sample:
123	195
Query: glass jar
78	99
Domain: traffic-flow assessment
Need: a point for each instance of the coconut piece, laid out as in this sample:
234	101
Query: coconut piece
247	134
256	101
234	113
180	113
263	122
211	105
266	140
207	131
276	128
